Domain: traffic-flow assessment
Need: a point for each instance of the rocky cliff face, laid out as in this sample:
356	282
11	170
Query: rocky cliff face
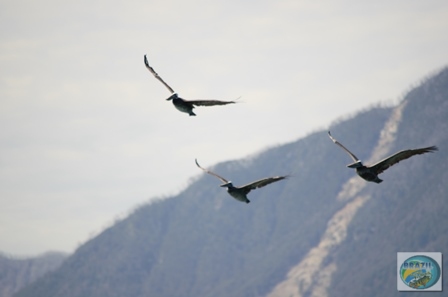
312	276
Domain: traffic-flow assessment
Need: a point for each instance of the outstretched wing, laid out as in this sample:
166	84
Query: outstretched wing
261	183
157	76
212	173
382	165
209	102
344	148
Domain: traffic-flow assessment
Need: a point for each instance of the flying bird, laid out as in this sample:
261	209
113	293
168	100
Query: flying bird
182	104
370	173
240	193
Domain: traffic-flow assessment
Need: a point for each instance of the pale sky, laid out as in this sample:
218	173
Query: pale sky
86	134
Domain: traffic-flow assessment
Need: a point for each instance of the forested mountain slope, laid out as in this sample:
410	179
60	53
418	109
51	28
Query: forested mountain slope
16	273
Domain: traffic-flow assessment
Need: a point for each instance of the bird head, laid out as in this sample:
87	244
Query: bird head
357	164
173	96
227	185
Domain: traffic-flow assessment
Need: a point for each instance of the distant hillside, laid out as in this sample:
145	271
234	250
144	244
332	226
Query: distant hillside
17	273
322	232
408	212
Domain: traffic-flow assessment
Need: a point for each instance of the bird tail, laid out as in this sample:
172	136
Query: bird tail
378	180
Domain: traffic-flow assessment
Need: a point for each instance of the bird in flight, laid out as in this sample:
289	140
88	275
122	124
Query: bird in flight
182	104
240	193
370	173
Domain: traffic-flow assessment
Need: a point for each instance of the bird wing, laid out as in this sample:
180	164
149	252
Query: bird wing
209	102
382	165
261	183
211	173
343	147
157	76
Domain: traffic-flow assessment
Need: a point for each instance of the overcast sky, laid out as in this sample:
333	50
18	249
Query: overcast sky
86	133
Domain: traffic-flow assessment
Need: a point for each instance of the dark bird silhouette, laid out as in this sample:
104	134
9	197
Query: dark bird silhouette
182	104
370	173
240	193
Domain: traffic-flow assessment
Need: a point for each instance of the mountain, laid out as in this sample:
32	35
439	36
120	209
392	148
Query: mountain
16	273
322	232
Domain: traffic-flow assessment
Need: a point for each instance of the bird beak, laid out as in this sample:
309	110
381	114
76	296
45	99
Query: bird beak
355	165
172	97
226	185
